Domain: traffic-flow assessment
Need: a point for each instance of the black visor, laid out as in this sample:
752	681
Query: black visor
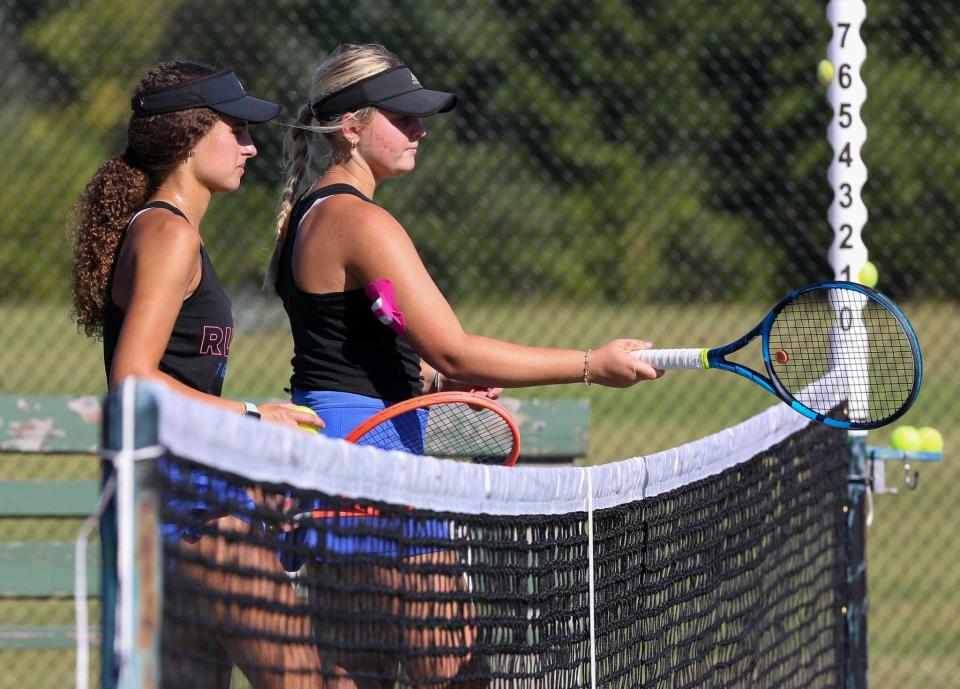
221	92
396	90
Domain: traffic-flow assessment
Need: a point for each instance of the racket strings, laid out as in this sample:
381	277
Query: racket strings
449	430
840	330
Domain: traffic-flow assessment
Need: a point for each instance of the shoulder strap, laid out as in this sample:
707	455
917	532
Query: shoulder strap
147	206
168	206
157	204
309	199
300	209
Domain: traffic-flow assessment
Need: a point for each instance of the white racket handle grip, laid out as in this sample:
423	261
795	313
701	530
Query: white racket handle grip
665	359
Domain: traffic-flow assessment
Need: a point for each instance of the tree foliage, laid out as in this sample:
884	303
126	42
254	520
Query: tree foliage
601	150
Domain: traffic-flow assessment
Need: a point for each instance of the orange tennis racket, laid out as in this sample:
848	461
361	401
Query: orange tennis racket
451	425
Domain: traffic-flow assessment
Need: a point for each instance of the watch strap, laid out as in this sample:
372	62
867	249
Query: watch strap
250	409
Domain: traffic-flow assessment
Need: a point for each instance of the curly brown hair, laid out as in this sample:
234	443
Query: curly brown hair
156	145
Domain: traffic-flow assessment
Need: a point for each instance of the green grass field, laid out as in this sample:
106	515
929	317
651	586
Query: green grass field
914	558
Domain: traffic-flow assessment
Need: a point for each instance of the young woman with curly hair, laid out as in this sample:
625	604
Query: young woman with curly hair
143	282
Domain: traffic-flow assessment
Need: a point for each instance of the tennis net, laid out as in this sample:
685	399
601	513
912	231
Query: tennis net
308	562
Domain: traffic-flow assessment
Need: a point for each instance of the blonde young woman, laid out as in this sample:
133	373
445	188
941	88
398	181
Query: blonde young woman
370	327
143	281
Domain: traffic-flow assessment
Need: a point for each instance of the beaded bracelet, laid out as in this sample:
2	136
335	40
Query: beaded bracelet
586	367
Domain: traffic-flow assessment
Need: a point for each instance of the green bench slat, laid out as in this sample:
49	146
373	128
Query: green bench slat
49	423
48	498
551	429
44	569
62	423
44	638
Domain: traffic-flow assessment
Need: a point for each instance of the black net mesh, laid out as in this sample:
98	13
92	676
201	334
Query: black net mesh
735	580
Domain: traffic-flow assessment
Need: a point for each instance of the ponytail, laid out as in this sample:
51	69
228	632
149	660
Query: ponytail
97	222
156	145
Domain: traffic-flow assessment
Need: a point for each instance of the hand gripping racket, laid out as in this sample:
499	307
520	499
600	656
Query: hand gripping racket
837	352
454	425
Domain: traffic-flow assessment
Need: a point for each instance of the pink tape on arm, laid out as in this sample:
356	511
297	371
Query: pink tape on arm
384	305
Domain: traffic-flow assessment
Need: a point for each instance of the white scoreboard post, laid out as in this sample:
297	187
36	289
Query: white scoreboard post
847	173
848	215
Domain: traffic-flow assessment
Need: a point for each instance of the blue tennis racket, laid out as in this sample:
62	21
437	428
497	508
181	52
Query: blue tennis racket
837	352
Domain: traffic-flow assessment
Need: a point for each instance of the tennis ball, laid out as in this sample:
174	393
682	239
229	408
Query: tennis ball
303	426
930	439
868	275
905	438
825	72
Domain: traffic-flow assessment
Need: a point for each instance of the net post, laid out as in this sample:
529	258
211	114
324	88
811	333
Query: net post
132	552
108	561
856	606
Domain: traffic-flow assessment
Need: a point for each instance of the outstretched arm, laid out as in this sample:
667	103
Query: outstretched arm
378	247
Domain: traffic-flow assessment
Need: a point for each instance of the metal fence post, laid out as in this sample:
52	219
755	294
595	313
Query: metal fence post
856	604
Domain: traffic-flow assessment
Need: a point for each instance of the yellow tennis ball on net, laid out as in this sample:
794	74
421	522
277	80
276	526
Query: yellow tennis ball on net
306	427
825	72
905	438
930	439
868	275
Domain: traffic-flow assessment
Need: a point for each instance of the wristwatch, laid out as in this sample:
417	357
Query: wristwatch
250	409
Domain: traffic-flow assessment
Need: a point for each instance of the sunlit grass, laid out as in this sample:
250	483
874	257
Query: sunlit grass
914	559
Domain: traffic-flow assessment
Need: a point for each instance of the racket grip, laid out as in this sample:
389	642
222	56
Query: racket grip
665	359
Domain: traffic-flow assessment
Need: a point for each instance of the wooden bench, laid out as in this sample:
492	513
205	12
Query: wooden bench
44	569
33	568
553	433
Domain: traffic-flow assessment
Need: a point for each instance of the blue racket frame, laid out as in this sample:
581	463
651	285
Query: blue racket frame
715	358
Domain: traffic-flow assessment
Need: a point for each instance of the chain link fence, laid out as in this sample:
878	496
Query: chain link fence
653	170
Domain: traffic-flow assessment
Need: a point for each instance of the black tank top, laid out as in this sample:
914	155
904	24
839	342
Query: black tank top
338	342
196	354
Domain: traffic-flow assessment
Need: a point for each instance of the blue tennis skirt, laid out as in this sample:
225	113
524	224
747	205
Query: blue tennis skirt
348	533
210	498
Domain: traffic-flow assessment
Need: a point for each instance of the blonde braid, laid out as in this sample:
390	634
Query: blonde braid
297	156
346	65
